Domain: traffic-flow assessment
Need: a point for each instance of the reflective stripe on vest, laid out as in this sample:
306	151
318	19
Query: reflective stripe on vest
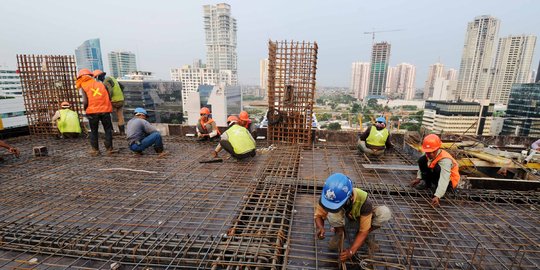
240	140
98	97
377	137
454	172
360	198
69	122
117	94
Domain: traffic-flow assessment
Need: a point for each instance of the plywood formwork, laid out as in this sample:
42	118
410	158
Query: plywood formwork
47	80
291	89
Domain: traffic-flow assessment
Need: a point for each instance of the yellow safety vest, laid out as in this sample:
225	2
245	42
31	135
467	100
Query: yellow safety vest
240	140
359	200
377	137
116	94
69	121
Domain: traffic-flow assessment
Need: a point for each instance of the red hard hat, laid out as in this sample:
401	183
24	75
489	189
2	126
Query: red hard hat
83	72
244	116
431	143
65	104
98	72
205	110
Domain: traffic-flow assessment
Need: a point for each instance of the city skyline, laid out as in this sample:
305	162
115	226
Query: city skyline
171	35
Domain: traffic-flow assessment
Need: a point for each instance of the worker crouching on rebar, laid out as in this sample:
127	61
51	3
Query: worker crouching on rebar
67	121
344	205
206	127
236	140
438	170
141	134
375	139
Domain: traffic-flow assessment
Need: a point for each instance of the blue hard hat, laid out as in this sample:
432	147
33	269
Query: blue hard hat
140	110
381	119
336	191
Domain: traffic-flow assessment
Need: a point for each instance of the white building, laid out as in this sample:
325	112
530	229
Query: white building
222	100
360	79
435	71
10	82
443	89
401	80
220	31
512	65
12	112
476	59
263	77
452	74
462	118
122	63
192	77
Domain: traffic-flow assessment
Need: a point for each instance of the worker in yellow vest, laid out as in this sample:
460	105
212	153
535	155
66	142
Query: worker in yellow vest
236	140
375	139
342	205
67	121
117	97
438	170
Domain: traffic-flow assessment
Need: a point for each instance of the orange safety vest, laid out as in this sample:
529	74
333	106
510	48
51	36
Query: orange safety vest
203	125
96	94
454	172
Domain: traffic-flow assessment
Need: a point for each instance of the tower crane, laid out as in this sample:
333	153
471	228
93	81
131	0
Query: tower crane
380	31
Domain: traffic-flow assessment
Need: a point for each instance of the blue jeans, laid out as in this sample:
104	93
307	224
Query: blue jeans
153	139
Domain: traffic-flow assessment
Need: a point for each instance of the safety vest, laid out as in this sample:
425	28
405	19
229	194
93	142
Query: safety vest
377	137
240	140
360	198
97	95
454	172
69	121
117	94
202	126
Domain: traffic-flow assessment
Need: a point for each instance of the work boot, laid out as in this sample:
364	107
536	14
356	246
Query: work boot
421	185
160	151
122	129
94	152
111	151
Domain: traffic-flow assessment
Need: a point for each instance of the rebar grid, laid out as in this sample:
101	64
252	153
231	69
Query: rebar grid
47	80
292	69
72	211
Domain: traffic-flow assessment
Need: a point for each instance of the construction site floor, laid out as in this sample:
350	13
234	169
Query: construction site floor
68	210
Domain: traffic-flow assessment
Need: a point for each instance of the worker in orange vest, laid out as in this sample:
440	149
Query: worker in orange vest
206	127
98	107
437	169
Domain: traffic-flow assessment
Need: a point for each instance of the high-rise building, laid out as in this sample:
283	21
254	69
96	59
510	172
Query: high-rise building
401	81
10	82
192	76
12	110
522	114
458	117
220	30
435	71
380	57
122	63
451	74
537	79
360	79
512	65
88	55
476	59
263	77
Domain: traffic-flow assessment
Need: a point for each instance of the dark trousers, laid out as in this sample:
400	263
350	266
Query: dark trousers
228	147
105	119
430	176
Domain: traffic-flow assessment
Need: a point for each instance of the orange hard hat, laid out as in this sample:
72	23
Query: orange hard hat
83	72
244	116
232	119
65	104
205	110
98	72
431	143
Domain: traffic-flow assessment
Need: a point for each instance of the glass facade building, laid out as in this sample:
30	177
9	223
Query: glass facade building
523	111
380	57
88	55
122	63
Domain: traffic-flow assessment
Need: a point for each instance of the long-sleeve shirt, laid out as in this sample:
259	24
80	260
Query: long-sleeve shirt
137	129
536	145
444	177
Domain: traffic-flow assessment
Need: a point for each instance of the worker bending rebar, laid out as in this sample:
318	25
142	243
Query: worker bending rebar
438	170
376	139
344	205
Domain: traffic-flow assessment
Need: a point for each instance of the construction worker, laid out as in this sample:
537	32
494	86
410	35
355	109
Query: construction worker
10	149
117	96
375	139
206	127
244	120
98	107
67	121
141	134
236	140
438	170
535	148
344	205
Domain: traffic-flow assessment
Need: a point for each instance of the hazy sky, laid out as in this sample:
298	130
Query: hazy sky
166	34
